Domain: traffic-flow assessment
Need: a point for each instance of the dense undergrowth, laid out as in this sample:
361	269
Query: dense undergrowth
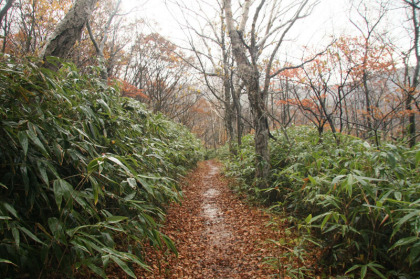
360	203
84	173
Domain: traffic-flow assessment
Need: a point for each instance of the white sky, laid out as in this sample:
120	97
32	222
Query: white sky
327	14
330	17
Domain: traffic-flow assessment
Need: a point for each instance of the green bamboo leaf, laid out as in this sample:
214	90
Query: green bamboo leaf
354	267
349	184
58	193
118	162
52	169
94	164
30	235
105	105
149	219
7	262
414	253
41	227
96	269
90	242
415	202
124	266
132	171
34	138
62	189
43	172
78	244
130	196
132	182
404	241
308	219
56	228
326	218
391	160
170	244
374	267
337	179
313	181
11	209
116	219
363	271
362	180
16	236
25	177
407	217
23	139
96	189
136	260
146	186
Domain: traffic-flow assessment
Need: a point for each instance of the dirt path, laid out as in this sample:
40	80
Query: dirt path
216	234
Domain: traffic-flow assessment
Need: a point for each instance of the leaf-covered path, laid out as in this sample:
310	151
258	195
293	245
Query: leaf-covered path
216	234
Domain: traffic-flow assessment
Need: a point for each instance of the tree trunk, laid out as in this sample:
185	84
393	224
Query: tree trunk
5	9
411	128
412	116
261	136
250	77
69	30
229	115
236	95
368	107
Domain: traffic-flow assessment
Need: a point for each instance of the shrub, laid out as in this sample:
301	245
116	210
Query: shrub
361	203
84	173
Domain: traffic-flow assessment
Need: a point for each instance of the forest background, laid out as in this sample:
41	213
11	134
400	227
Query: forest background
243	67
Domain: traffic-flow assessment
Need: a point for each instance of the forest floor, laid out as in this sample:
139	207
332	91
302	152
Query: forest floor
217	234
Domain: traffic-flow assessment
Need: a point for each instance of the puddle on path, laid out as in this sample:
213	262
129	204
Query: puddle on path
217	233
213	169
210	211
211	193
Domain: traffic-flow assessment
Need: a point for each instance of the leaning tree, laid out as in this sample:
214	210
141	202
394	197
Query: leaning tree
69	30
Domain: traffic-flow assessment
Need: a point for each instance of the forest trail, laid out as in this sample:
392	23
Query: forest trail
216	234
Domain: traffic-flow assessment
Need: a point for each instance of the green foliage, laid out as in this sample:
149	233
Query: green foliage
84	173
361	203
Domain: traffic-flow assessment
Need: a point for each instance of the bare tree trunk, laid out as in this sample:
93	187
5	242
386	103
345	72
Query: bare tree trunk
247	48
260	120
6	31
412	116
229	115
5	9
69	30
367	102
251	78
236	95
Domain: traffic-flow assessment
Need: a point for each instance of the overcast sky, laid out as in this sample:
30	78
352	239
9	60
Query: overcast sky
330	17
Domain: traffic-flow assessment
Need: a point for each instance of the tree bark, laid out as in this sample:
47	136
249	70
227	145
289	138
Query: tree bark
260	120
69	30
412	116
236	97
5	9
250	76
